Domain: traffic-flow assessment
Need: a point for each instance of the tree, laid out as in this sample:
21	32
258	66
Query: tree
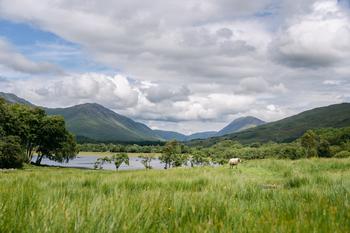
309	142
324	149
11	152
100	161
170	150
179	160
38	132
54	141
119	159
199	158
146	161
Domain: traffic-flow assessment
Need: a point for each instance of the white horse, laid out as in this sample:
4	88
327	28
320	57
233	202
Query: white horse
234	162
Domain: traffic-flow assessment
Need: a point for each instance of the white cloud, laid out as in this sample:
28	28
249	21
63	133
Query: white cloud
260	85
112	91
15	61
332	82
318	39
191	63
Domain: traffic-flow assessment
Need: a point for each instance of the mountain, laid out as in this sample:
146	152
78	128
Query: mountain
240	124
11	98
290	128
170	135
237	125
96	122
201	135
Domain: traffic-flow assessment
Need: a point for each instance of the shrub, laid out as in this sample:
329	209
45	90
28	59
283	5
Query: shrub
290	152
11	153
343	154
324	149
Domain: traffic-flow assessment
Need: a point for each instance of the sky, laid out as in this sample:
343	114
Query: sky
185	65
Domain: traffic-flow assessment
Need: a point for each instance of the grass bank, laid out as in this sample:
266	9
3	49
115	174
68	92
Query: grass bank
259	196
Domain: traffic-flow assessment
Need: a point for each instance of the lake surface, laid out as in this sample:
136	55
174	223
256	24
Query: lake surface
89	161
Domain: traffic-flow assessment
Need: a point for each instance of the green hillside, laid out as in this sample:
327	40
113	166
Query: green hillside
101	124
288	129
240	124
11	98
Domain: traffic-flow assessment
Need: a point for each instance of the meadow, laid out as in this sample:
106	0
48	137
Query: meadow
307	195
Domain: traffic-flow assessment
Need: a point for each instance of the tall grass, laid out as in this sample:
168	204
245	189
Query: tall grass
258	196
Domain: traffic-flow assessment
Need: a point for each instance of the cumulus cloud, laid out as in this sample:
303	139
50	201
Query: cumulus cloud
161	93
189	63
14	60
318	39
260	85
111	91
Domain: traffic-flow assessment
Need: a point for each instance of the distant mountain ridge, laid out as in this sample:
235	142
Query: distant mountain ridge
237	125
94	122
290	128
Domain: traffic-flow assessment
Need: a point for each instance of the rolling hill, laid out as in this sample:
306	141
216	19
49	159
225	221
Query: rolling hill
11	98
101	124
290	128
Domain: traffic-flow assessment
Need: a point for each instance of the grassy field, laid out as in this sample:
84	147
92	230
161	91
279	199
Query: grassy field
102	154
259	196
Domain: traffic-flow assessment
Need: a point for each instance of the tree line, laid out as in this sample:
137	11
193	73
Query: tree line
27	131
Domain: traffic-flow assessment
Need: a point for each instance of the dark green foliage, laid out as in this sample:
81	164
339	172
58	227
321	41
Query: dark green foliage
36	131
11	152
324	149
290	152
55	142
131	148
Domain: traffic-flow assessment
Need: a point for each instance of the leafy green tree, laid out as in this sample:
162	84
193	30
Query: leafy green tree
100	161
170	150
54	141
11	152
146	161
324	149
180	160
309	141
199	158
119	159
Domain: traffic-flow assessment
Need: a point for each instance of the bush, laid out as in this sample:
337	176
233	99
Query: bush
11	153
324	149
290	152
343	154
